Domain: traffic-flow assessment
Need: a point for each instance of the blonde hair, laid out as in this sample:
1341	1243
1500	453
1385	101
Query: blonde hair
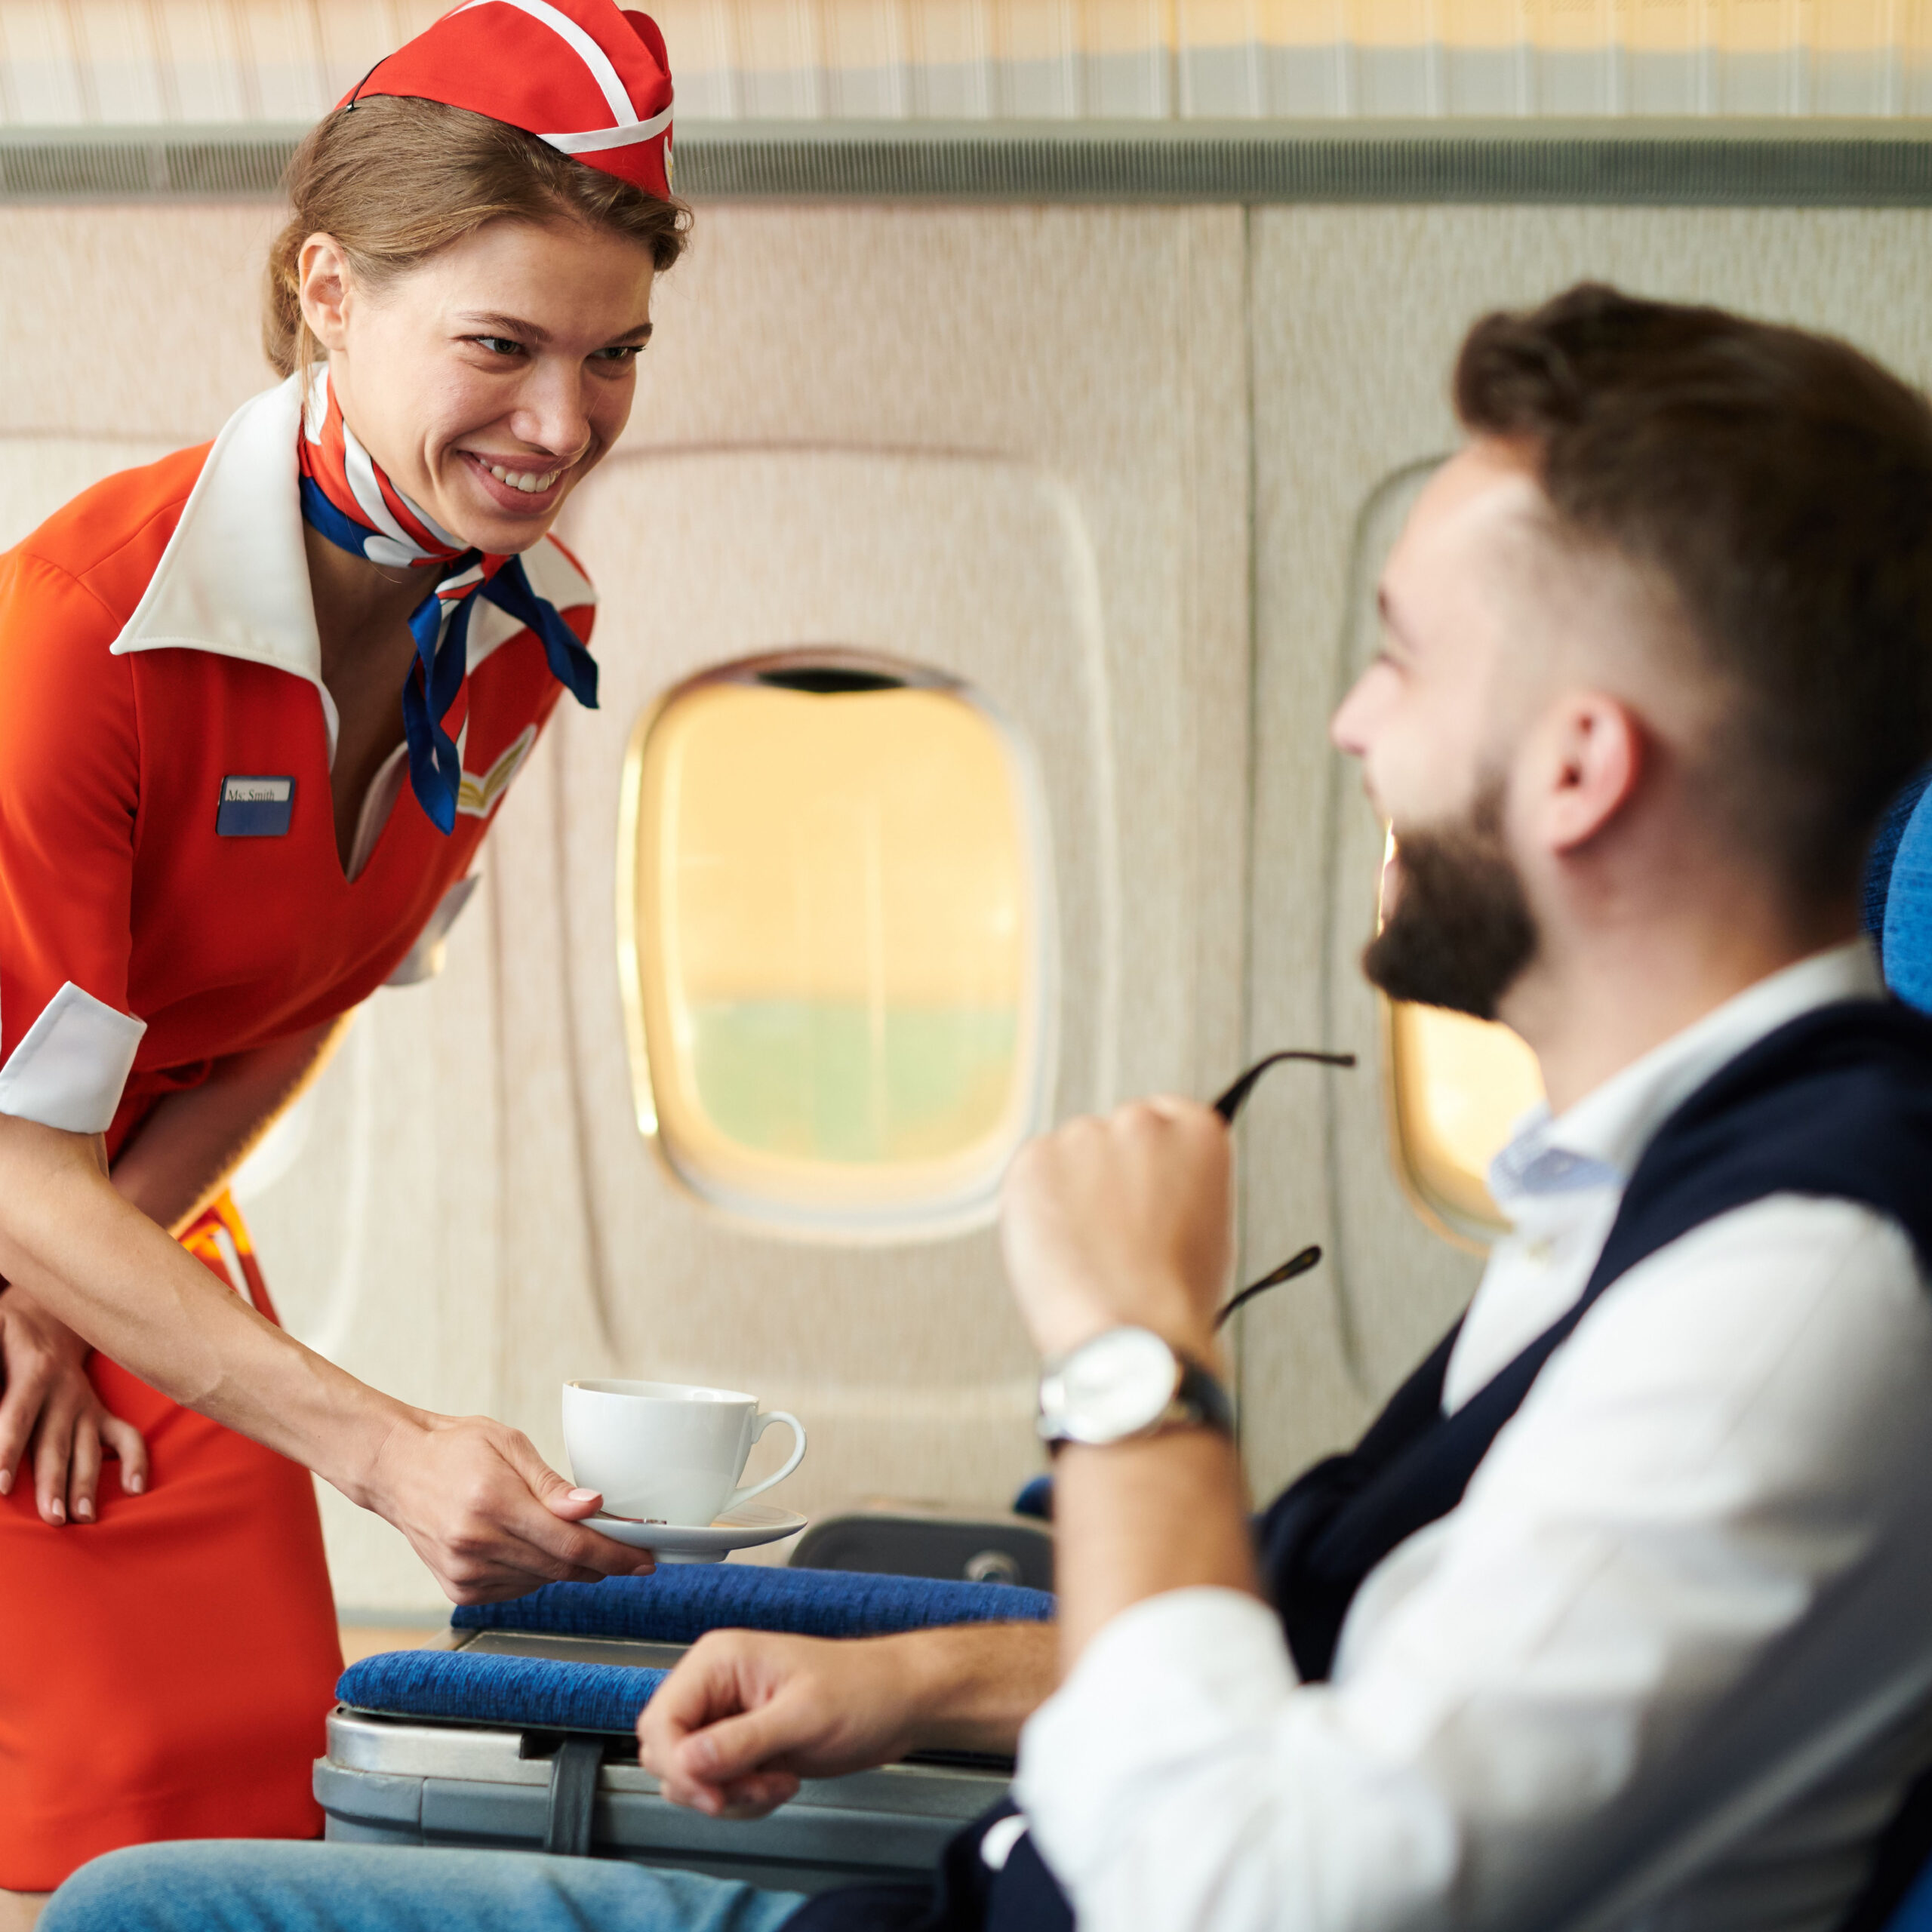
395	180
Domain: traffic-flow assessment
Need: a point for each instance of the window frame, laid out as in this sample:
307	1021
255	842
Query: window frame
974	1203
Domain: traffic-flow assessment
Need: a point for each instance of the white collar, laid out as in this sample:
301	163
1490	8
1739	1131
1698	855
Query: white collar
234	579
1597	1143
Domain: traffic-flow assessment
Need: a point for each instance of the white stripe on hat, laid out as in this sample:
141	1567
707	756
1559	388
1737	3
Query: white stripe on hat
615	95
598	139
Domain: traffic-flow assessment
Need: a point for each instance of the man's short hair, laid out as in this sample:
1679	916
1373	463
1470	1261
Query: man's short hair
1779	484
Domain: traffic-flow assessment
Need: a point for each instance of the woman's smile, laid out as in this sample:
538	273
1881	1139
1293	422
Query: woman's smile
522	485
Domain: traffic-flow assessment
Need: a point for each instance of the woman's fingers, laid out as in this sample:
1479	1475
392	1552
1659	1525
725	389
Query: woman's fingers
51	1415
53	1450
124	1442
27	1375
84	1470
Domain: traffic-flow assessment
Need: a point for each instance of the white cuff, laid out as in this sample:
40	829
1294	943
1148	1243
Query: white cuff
69	1068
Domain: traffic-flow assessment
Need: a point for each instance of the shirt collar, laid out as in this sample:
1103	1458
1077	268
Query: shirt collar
1597	1142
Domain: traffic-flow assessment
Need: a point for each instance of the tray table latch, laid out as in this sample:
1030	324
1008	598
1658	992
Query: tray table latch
574	1769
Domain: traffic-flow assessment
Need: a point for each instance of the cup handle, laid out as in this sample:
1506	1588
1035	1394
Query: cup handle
792	1461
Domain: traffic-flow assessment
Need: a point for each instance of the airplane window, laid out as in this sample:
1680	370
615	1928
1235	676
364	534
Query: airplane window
1458	1086
833	939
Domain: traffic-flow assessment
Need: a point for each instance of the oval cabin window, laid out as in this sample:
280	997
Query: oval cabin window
1456	1086
832	913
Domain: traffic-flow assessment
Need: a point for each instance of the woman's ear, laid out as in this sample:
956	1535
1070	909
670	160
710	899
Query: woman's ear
1596	759
325	284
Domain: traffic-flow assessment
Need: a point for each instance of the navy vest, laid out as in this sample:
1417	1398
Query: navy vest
1837	1104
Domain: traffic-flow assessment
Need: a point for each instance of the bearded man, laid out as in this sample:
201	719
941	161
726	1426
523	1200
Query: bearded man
1621	1614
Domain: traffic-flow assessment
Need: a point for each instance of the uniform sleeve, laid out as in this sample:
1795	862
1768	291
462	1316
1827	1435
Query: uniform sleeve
69	801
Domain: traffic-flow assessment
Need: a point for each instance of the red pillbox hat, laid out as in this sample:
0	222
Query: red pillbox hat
588	78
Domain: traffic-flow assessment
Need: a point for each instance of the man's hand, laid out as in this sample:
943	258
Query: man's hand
488	1515
48	1407
746	1715
1123	1219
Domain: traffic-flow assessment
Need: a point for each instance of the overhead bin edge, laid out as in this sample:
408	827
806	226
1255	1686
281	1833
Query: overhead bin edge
1840	163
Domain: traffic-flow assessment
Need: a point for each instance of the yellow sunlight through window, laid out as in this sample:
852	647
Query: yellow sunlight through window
1456	1086
837	938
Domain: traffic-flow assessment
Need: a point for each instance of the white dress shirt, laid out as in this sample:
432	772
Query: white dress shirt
1669	1665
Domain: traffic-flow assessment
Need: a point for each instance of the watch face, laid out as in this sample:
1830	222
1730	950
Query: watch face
1117	1384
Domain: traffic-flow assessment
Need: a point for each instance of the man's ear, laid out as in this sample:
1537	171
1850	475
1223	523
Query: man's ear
1594	759
324	281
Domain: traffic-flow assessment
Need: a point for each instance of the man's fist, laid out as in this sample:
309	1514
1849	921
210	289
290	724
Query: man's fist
1123	1219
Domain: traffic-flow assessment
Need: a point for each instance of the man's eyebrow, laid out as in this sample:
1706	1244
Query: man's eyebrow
535	333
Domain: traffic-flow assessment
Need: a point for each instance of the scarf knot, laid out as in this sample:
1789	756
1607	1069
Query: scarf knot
348	500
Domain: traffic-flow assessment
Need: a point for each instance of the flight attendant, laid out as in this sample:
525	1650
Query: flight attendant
258	704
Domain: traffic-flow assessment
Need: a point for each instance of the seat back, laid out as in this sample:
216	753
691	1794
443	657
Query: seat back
1915	1912
1898	893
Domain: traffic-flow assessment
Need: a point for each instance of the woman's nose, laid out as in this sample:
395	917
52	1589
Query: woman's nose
551	413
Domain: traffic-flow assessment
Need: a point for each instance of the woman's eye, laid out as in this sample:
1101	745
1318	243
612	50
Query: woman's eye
498	345
617	358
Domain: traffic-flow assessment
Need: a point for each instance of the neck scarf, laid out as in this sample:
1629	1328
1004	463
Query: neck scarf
346	499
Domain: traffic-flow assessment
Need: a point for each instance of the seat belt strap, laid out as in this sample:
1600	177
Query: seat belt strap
567	1829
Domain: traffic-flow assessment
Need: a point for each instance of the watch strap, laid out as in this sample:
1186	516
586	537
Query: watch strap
1198	1402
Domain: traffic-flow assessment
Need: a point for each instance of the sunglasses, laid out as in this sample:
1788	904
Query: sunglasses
1228	1106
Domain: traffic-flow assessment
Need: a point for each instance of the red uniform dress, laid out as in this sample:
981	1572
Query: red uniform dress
171	892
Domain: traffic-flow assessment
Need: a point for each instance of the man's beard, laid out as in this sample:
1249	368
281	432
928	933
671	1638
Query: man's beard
1461	930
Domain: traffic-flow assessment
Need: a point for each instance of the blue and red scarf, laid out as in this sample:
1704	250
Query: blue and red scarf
347	499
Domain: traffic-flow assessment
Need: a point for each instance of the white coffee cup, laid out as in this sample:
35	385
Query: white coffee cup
668	1452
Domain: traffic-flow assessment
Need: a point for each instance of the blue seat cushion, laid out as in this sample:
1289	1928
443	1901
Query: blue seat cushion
677	1605
522	1693
682	1601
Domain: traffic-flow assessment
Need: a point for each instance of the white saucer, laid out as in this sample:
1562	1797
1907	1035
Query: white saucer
742	1528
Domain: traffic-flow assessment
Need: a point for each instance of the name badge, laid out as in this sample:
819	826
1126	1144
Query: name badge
255	808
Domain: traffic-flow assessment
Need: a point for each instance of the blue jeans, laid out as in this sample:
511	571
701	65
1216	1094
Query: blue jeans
236	1885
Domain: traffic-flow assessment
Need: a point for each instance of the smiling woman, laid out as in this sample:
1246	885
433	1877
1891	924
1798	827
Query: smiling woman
258	704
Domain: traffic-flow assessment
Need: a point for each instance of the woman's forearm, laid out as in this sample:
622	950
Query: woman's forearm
99	1262
478	1504
181	1156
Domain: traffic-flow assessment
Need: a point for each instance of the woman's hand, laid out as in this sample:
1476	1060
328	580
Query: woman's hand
491	1518
48	1407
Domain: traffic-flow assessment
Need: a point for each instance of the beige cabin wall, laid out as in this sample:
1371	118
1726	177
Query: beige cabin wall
130	322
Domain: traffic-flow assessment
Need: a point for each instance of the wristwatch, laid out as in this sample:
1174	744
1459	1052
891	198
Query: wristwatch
1126	1381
